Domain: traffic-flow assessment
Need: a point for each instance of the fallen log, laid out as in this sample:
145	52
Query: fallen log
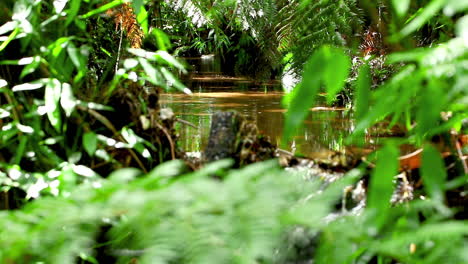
233	136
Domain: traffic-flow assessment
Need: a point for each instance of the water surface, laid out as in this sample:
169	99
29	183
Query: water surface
324	129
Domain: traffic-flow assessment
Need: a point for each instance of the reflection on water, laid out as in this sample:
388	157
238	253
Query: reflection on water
324	129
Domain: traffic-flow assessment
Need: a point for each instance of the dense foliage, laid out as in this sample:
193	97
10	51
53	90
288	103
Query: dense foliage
79	83
256	37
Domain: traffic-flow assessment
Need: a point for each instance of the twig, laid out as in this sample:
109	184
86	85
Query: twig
284	152
171	143
120	47
16	116
185	122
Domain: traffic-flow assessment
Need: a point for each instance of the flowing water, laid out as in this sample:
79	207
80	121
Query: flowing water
324	129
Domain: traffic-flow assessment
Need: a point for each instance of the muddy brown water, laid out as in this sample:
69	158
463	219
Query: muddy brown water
323	132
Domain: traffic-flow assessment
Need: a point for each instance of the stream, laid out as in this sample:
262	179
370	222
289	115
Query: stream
324	130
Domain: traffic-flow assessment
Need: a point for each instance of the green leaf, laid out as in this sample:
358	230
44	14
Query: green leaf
72	11
31	67
125	175
9	39
362	96
162	40
57	47
433	173
173	81
53	90
68	179
381	183
78	58
166	58
129	135
151	72
385	97
168	169
103	8
427	12
20	149
337	65
302	98
141	15
430	105
401	7
162	174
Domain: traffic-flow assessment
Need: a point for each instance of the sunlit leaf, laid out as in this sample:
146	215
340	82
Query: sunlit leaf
151	72
34	190
172	80
433	173
31	66
84	171
67	99
4	113
25	129
30	86
130	63
129	136
3	83
149	55
455	6
88	258
52	94
52	140
78	59
166	58
95	106
462	29
401	7
8	26
381	183
59	5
